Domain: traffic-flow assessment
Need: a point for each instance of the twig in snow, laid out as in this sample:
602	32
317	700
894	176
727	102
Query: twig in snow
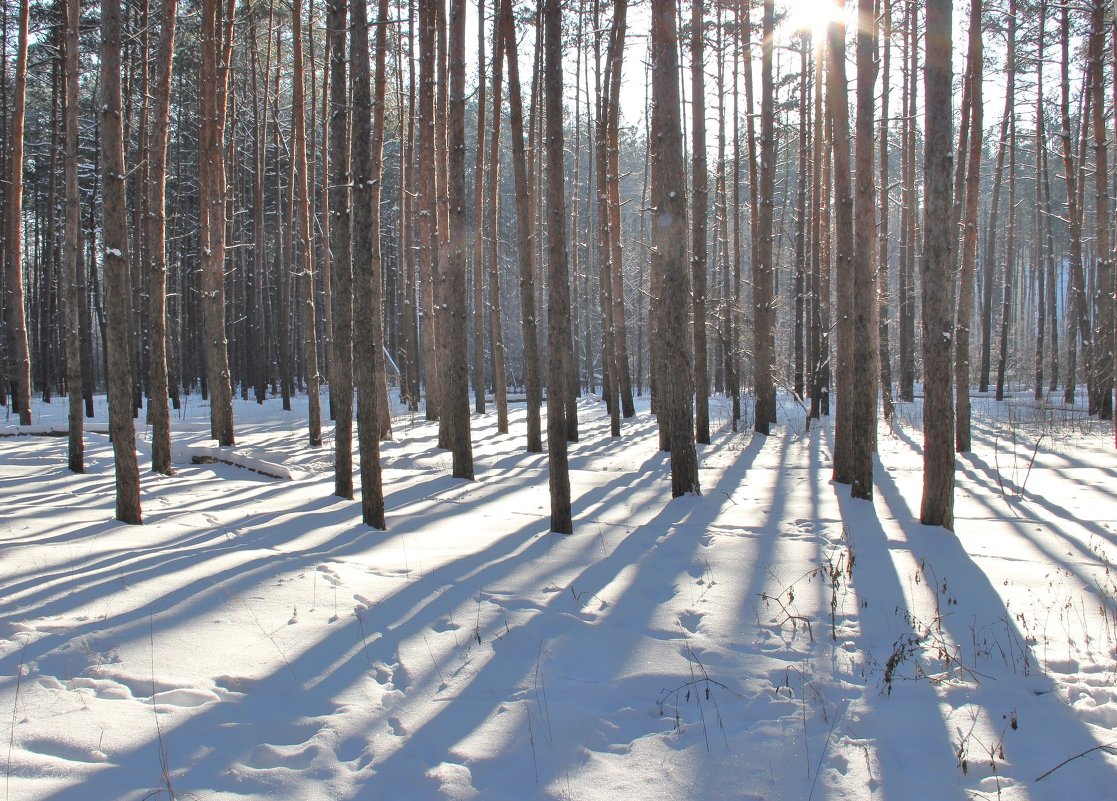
1109	748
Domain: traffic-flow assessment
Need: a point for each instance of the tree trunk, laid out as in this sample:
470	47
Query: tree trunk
937	507
158	407
616	261
883	312
558	313
763	296
1078	323
341	370
525	234
909	224
211	229
15	302
74	269
801	180
492	233
610	384
837	106
699	212
1040	266
366	146
478	226
118	301
1010	234
820	194
975	76
303	265
428	206
1102	400
866	369
669	242
455	399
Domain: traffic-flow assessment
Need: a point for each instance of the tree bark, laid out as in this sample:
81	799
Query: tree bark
428	206
1102	400
558	312
215	57
303	265
884	334
366	146
18	350
492	234
937	507
865	353
1010	234
669	242
975	76
455	409
341	370
837	106
74	268
525	234
700	204
118	301
763	296
479	179
1078	322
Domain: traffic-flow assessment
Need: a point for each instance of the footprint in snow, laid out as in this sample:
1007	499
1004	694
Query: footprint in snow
329	575
690	620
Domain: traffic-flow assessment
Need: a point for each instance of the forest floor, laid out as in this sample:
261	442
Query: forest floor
769	639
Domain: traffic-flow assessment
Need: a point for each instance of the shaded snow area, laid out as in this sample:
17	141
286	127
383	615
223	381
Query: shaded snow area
770	639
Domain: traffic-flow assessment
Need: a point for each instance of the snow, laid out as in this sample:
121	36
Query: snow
770	639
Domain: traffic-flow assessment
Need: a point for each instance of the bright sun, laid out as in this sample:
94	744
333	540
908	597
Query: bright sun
811	15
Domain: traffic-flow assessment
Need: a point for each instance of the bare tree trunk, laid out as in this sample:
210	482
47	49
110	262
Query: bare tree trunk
492	232
74	270
1078	323
366	147
821	238
610	383
428	206
763	295
525	234
216	47
158	410
883	312
341	370
478	226
837	106
1040	266
974	78
669	242
616	262
699	212
114	226
1010	234
15	301
864	349
937	507
558	313
409	380
455	407
909	225
303	264
1102	400
798	382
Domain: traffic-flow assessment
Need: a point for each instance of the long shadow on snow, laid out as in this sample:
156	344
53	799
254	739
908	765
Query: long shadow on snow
1059	732
335	663
918	724
642	547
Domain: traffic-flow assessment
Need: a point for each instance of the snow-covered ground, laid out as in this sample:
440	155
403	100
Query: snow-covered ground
770	639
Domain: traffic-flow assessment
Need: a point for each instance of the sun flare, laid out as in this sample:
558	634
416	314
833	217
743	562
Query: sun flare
812	15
